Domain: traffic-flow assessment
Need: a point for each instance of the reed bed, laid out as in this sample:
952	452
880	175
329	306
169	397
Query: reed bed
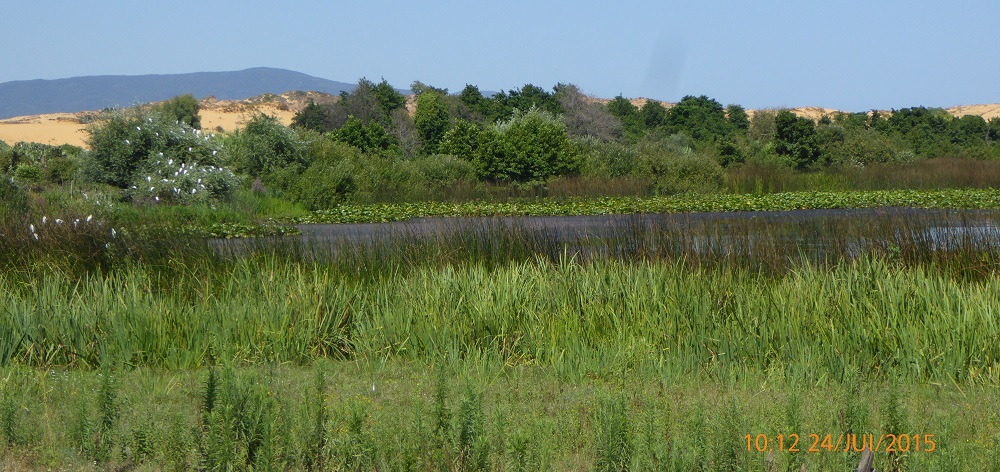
882	317
498	345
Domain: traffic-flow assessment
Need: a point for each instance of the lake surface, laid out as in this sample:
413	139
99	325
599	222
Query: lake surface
847	232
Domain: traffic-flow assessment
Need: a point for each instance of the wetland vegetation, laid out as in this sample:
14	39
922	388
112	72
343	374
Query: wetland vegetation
130	340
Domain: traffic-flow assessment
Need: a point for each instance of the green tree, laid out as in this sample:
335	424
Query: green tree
796	137
738	118
629	115
370	138
702	118
419	88
474	99
531	146
878	122
431	119
312	117
969	130
851	121
653	114
183	108
462	140
265	148
388	98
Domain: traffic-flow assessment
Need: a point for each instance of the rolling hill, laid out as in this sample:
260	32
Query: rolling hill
36	97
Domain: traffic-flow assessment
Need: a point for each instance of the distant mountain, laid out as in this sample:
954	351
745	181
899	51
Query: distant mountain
35	97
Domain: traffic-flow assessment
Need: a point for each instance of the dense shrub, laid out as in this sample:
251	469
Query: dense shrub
606	158
329	179
34	153
796	138
431	120
183	108
370	138
60	169
325	185
169	181
439	172
6	158
531	146
13	199
461	140
122	139
860	147
28	173
674	166
263	147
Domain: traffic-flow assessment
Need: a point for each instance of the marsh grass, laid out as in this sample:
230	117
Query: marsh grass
498	345
923	174
524	417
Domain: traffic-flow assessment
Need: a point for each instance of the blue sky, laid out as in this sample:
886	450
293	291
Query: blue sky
850	55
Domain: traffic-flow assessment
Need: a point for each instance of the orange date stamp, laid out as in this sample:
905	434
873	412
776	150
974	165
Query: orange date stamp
845	442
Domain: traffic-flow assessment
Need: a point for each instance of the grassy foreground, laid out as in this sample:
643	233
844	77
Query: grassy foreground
494	348
395	415
604	365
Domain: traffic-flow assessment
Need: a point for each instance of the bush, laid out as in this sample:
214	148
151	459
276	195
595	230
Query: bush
34	153
462	140
329	179
13	199
262	147
861	147
170	181
325	185
6	158
679	173
59	170
183	108
28	173
120	140
440	171
606	158
531	146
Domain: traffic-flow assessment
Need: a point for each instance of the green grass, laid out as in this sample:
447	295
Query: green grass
498	348
475	417
597	319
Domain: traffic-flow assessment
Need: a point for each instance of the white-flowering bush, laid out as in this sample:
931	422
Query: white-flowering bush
168	180
121	141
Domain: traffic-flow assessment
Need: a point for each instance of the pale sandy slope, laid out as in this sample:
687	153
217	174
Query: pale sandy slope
66	128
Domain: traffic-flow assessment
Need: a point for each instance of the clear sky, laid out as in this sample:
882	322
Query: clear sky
847	54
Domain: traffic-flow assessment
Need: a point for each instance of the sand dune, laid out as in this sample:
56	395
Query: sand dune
229	115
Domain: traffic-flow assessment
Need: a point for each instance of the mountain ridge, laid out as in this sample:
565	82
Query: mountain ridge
95	92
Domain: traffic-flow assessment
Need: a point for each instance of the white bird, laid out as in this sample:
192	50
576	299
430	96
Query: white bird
127	142
32	228
113	233
89	217
45	219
